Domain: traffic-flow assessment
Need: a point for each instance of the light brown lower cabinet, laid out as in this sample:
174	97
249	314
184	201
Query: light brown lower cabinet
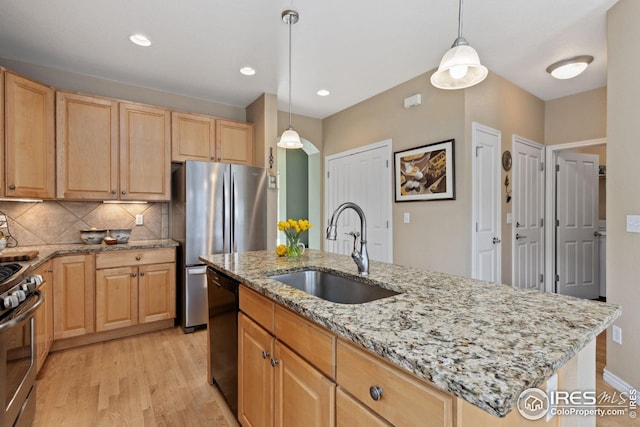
73	295
276	386
44	314
141	289
351	413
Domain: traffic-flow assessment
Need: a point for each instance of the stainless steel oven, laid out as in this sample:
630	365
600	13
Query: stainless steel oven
19	300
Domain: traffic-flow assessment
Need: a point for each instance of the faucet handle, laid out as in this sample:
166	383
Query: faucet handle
355	235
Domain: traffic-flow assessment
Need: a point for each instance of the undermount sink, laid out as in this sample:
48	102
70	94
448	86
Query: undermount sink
334	288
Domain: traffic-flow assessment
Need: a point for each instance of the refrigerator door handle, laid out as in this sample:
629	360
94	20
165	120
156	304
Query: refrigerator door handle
225	210
234	246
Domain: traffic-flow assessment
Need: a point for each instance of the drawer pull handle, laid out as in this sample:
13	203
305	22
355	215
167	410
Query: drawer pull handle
265	354
141	274
138	258
274	362
134	275
375	392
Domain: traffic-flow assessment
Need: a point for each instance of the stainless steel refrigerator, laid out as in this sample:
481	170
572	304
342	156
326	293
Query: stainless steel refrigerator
215	208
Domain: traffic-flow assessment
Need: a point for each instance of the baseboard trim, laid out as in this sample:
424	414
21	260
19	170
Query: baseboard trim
616	382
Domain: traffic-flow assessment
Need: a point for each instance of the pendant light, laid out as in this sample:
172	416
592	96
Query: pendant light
290	138
460	66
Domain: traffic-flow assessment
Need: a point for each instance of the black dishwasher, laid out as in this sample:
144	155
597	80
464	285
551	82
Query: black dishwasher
223	335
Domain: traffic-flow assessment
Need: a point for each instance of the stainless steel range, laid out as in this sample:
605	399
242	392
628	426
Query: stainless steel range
19	299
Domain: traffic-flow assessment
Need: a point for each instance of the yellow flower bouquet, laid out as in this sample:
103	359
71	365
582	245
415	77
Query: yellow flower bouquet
292	229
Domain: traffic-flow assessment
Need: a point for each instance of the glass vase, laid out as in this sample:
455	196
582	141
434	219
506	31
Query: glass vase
295	248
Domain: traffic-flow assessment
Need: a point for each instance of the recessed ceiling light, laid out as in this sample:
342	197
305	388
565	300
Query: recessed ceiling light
140	40
323	92
569	68
247	71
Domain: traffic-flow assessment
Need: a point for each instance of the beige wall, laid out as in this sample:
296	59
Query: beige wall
577	117
438	237
623	175
501	105
263	112
75	82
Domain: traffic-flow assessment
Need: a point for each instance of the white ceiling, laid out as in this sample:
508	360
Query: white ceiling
354	48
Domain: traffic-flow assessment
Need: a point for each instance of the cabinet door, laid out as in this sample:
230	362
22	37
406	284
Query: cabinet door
29	143
2	132
234	142
157	292
116	298
73	296
303	396
145	153
44	315
255	374
87	147
193	137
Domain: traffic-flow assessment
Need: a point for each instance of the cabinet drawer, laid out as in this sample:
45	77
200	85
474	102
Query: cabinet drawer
257	307
351	413
312	342
134	257
405	398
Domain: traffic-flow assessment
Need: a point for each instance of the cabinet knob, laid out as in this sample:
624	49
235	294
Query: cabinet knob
265	354
138	258
141	274
375	392
123	192
113	191
133	275
274	362
12	187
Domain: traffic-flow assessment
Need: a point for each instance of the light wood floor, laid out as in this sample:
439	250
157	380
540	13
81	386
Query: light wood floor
156	379
159	379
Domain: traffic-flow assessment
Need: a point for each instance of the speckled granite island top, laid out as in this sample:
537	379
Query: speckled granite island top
483	342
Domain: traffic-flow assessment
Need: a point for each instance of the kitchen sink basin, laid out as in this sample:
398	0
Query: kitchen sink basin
334	288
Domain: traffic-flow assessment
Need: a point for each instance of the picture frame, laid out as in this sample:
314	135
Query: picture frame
425	173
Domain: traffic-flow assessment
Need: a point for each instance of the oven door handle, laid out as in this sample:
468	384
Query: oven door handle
24	315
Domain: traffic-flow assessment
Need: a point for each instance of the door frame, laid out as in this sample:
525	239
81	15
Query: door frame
474	197
550	204
386	143
515	139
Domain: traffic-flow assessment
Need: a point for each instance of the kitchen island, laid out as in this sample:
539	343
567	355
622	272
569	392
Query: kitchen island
483	342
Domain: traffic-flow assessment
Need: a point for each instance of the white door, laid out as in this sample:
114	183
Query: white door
486	233
576	225
364	177
528	213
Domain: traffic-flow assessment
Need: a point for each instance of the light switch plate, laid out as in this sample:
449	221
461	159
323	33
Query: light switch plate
633	223
617	334
509	218
139	219
407	217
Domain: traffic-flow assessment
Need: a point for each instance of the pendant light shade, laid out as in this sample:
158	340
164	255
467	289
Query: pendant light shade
460	66
290	138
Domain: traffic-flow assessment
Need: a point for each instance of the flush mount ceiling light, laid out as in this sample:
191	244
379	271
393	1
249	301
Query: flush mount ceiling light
247	71
140	40
290	138
569	68
323	92
460	66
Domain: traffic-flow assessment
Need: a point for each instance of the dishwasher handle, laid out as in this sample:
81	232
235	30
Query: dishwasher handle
218	279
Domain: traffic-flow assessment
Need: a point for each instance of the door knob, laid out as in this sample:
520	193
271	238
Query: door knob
496	240
520	236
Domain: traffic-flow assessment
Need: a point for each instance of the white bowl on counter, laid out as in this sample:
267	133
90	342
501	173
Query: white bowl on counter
120	234
92	237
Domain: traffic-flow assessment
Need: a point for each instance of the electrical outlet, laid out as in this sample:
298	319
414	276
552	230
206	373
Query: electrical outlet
617	334
139	219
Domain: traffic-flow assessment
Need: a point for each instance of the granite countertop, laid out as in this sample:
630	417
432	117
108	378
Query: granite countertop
46	252
483	342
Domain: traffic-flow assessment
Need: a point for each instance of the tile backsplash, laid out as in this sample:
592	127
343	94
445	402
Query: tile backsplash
57	222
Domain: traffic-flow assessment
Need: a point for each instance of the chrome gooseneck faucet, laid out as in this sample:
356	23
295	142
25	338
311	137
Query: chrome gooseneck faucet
360	257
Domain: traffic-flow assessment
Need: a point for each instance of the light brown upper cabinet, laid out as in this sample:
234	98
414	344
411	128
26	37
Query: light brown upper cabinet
29	138
145	152
234	142
193	137
87	147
